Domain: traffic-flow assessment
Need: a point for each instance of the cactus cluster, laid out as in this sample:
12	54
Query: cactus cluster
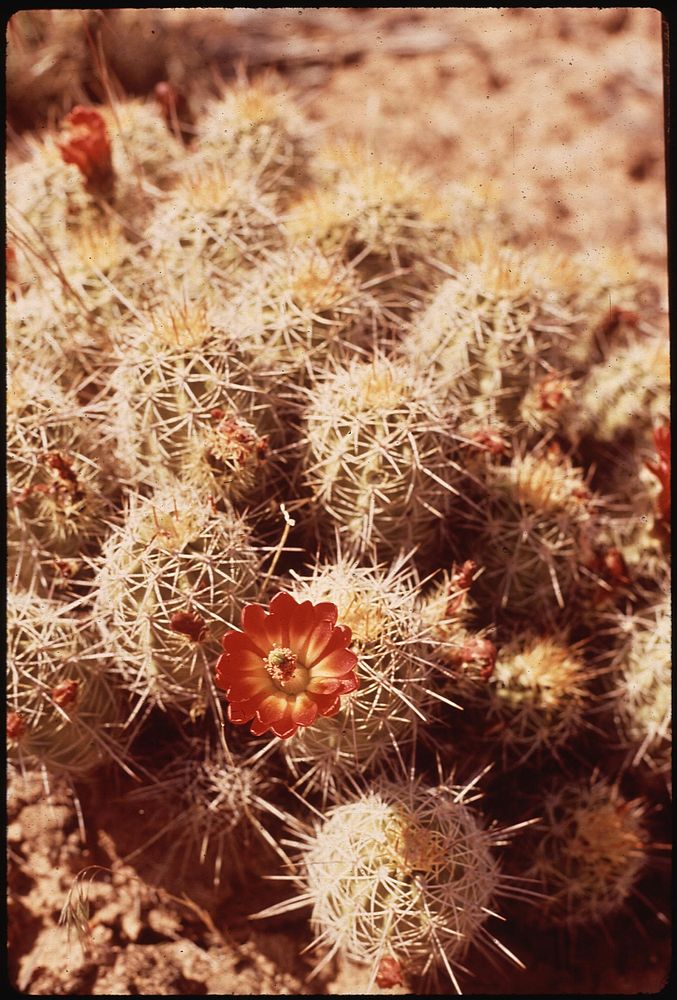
591	847
403	873
302	441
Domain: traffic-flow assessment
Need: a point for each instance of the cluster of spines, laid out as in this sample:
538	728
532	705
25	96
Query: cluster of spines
172	579
64	710
380	456
400	877
589	850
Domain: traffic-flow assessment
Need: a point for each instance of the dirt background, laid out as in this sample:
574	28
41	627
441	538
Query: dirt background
563	110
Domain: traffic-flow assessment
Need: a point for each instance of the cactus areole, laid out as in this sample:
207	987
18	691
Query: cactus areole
289	665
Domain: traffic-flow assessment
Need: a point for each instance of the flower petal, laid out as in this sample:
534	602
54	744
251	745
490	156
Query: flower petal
304	710
301	625
349	683
242	711
337	664
272	708
257	624
317	643
324	685
331	708
340	639
248	686
326	611
233	642
283	604
230	666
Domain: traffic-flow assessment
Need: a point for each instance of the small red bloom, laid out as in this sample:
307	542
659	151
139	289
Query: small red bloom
490	440
389	973
66	693
459	585
661	469
477	652
190	624
16	726
86	144
288	665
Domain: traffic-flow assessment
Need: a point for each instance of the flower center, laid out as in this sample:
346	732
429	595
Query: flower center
282	665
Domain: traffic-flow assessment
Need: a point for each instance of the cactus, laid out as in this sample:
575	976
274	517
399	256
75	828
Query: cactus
379	456
492	328
297	312
534	700
144	148
56	192
185	403
532	527
641	671
170	580
590	849
61	489
258	126
63	711
404	872
612	299
378	605
213	801
381	214
627	393
215	222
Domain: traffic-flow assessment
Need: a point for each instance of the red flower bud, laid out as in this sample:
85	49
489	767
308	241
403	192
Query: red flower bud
87	145
66	693
16	726
491	441
190	624
479	652
389	973
661	469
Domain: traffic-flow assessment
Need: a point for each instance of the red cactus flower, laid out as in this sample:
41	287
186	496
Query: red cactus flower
661	469
287	666
86	144
190	624
389	973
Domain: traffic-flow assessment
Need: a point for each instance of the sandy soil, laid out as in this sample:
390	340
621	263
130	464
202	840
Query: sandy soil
563	109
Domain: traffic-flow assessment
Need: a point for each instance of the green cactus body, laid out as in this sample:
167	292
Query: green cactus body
379	606
143	146
642	673
591	848
403	871
63	711
533	525
44	333
213	801
612	299
49	195
174	556
380	214
186	404
379	456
